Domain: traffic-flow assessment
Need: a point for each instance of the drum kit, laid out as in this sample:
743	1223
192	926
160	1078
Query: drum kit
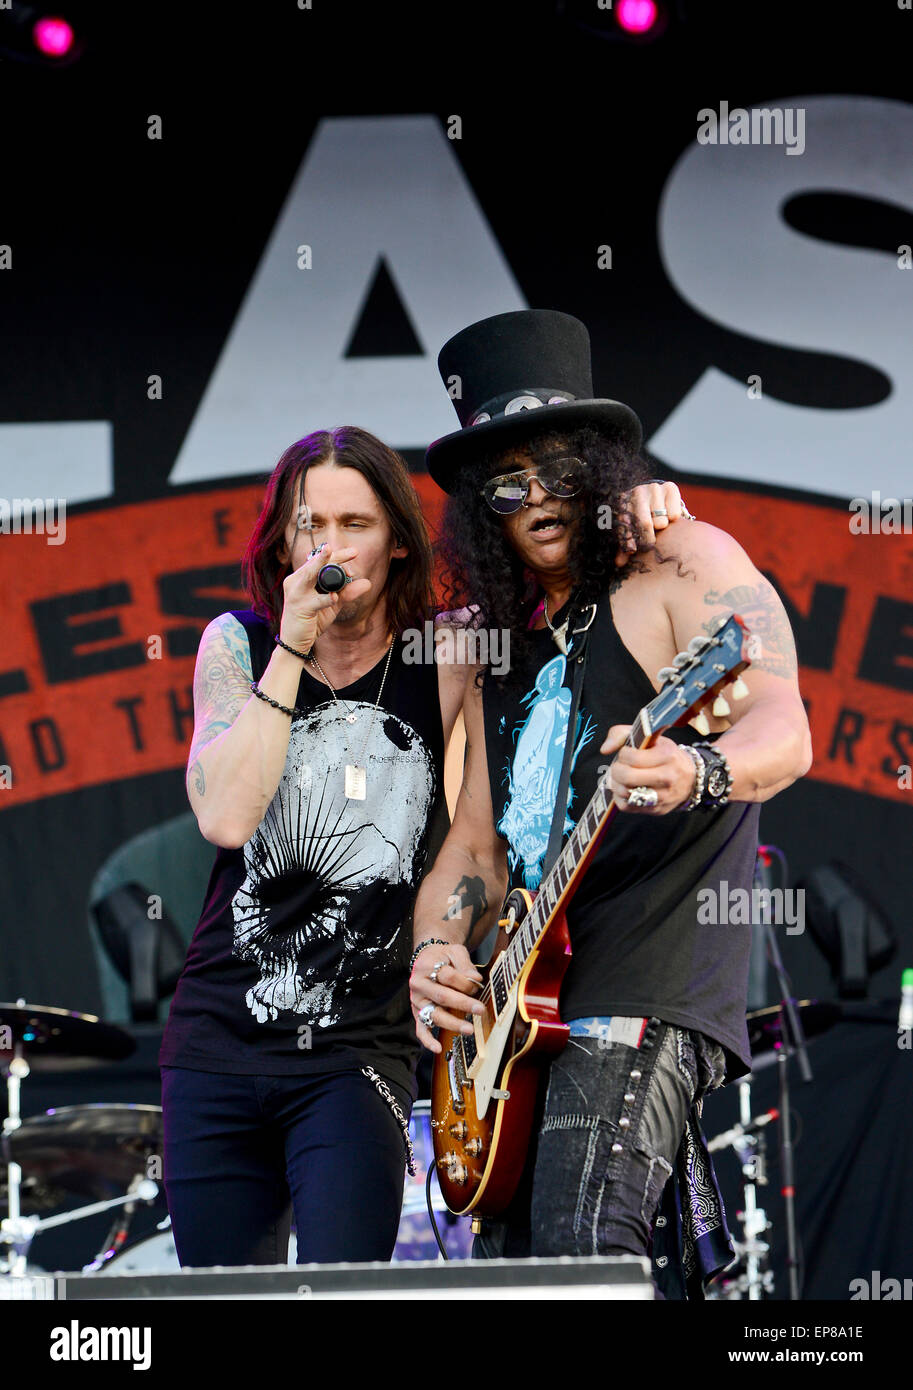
100	1152
108	1157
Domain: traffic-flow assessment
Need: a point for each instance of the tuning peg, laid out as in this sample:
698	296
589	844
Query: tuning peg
681	659
702	724
666	673
739	690
697	644
721	707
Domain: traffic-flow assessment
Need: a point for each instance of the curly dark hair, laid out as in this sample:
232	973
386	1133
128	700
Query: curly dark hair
410	591
480	568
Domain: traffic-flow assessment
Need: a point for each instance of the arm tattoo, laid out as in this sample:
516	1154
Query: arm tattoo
199	779
469	892
221	684
763	612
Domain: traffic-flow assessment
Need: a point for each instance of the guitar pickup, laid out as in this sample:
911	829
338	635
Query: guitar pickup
456	1092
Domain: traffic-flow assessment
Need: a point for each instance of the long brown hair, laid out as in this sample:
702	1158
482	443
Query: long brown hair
409	585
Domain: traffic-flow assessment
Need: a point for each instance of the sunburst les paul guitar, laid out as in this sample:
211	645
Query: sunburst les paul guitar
484	1085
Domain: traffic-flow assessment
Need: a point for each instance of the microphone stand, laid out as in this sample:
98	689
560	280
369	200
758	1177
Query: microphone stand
792	1040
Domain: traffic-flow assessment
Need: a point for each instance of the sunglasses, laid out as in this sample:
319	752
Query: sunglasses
561	477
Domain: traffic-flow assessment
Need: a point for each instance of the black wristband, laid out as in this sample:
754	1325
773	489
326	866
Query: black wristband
718	778
262	695
305	656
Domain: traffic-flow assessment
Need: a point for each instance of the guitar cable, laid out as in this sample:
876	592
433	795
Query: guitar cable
437	1235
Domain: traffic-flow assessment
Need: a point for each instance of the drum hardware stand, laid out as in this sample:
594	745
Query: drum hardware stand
141	1189
757	1280
12	1229
17	1231
793	1041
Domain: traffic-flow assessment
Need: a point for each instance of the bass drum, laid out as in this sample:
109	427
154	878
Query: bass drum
155	1254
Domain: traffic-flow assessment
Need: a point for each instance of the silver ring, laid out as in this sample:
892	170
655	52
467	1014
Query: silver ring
643	796
426	1015
660	511
438	965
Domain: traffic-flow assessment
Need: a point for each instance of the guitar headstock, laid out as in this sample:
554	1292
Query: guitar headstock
698	677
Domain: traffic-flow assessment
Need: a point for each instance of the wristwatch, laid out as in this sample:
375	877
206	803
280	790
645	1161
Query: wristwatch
717	779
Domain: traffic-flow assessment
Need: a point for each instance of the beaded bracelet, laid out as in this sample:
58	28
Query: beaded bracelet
700	771
262	695
305	656
431	941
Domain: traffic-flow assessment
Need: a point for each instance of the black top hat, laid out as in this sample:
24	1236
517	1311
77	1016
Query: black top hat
519	375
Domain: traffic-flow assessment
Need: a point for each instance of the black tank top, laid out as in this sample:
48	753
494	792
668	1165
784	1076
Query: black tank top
299	962
638	945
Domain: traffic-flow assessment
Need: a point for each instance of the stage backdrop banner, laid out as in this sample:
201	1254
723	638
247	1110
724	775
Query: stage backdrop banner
751	300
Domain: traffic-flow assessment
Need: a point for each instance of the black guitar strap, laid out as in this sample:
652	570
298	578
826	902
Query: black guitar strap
577	657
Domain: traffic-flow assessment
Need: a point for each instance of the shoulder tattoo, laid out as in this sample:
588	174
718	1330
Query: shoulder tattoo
766	619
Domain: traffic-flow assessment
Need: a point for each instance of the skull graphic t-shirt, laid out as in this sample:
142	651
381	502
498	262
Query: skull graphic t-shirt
300	958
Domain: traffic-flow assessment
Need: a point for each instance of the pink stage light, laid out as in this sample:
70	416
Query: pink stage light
636	16
53	37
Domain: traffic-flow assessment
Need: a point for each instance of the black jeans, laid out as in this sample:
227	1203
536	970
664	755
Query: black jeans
611	1125
242	1152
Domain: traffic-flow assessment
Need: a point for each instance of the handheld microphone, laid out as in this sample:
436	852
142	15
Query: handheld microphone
331	579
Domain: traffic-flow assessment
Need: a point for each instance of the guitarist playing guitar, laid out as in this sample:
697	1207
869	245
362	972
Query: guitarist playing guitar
632	994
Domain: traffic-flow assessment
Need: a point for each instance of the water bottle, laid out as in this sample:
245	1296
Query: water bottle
905	1017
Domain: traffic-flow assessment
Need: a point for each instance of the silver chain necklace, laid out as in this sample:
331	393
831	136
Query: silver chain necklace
356	785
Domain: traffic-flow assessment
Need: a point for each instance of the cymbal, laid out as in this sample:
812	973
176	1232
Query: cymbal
765	1028
46	1032
88	1151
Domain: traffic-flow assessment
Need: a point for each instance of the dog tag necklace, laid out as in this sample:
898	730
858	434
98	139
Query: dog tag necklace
559	634
356	784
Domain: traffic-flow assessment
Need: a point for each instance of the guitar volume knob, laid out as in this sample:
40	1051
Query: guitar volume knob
474	1147
457	1171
